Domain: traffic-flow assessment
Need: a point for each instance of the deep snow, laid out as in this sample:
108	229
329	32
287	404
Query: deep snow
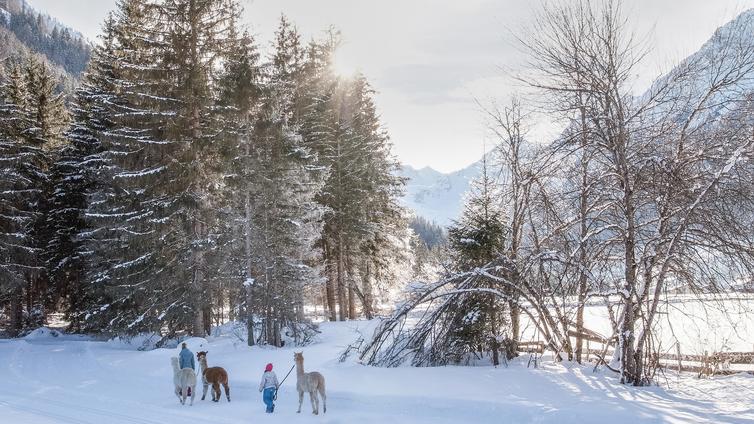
66	379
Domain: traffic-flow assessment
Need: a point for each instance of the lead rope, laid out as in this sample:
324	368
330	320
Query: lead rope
281	383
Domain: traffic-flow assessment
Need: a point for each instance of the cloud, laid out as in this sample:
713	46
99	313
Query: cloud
430	83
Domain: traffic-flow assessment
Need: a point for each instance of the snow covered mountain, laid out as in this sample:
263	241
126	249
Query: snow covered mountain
714	75
25	31
437	196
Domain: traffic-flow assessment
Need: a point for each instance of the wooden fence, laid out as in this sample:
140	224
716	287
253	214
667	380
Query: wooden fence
599	349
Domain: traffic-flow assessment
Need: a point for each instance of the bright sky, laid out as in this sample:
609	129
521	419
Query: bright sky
430	59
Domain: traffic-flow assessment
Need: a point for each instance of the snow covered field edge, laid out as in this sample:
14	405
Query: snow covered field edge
69	379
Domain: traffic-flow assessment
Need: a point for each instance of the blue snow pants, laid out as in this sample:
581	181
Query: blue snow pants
267	396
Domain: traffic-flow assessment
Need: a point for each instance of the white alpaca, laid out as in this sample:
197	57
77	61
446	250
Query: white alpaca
184	381
309	382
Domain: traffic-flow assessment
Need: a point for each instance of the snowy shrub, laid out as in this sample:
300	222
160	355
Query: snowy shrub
43	333
142	342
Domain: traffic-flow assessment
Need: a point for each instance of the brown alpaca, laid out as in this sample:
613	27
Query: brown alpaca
214	376
310	382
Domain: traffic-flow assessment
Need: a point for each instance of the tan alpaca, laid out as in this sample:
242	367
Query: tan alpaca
309	382
184	381
214	376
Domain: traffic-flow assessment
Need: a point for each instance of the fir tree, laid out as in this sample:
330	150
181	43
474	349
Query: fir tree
281	217
240	91
158	223
363	218
30	133
124	273
478	236
475	240
75	178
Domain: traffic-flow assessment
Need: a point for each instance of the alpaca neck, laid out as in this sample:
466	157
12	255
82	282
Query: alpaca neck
203	364
299	368
176	368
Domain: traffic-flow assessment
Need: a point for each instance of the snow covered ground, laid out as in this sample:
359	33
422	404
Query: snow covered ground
67	379
717	324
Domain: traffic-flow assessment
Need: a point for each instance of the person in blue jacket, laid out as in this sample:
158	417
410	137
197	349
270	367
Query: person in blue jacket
186	358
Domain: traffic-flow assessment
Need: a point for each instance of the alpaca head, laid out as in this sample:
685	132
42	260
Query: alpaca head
201	356
298	357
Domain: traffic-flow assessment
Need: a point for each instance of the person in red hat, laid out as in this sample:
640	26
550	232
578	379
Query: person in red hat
269	386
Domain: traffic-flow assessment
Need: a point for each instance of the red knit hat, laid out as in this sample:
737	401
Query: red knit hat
268	368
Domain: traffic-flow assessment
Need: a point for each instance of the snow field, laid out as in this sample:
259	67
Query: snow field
68	379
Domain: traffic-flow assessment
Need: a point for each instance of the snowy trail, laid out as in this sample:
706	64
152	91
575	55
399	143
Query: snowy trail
68	380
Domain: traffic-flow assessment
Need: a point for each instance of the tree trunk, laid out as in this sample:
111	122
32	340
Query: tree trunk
249	318
629	356
300	315
580	318
342	301
198	329
199	188
249	265
583	205
368	303
515	320
207	319
351	294
331	287
197	294
16	311
325	306
626	344
351	301
269	325
514	310
35	302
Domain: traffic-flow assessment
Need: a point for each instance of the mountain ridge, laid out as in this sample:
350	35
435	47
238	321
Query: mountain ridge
25	30
438	196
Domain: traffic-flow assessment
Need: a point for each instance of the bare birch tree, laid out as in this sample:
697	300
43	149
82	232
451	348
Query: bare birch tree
666	157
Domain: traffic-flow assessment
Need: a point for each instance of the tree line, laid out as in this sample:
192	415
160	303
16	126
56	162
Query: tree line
193	181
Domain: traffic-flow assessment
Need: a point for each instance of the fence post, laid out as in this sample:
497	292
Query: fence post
678	352
587	350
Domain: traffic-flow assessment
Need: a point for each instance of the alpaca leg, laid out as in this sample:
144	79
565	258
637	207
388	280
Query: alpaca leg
300	400
193	393
215	392
324	398
184	393
204	392
315	401
227	391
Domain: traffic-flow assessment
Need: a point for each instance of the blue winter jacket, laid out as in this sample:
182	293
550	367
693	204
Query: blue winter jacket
186	359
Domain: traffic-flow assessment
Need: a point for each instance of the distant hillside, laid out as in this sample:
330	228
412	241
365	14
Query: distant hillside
24	30
429	232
